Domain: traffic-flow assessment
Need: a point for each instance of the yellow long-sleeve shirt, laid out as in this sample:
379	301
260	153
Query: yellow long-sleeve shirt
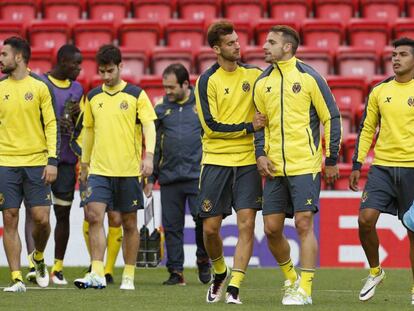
225	107
390	107
28	127
111	116
295	100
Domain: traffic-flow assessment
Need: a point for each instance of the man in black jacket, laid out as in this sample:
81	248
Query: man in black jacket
177	169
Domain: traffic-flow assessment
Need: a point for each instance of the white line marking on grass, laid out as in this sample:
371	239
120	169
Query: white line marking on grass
46	288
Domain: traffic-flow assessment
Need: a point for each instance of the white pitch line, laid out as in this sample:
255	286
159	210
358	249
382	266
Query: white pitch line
46	288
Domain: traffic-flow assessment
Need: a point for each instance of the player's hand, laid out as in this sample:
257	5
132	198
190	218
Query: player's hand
84	172
147	165
353	180
66	125
331	173
265	167
259	121
148	189
49	174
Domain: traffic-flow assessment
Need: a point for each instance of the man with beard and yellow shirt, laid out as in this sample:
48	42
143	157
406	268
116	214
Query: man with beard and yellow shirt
29	148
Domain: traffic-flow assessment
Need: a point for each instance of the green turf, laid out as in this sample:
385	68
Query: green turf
334	289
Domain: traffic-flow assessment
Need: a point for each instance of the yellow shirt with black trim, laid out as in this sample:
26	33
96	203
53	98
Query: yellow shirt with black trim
225	108
28	126
295	100
113	114
390	108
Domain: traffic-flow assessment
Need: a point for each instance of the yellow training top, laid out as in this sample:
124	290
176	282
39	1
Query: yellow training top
390	107
225	107
28	127
112	114
296	100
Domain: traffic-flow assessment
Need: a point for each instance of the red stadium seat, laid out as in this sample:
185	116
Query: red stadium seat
357	62
133	31
254	56
135	61
92	34
289	10
263	26
349	142
152	85
184	34
163	56
41	60
244	10
326	34
18	10
198	9
410	8
349	94
156	10
320	59
368	33
8	29
340	10
48	34
108	10
386	10
386	61
345	170
63	10
404	27
205	57
89	67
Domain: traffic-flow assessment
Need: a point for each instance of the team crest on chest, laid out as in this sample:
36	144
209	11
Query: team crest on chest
296	87
410	101
123	105
28	96
246	86
2	199
195	109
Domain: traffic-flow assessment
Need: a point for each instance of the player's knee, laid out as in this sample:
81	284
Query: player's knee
41	220
11	219
273	232
365	223
62	214
246	226
210	231
303	224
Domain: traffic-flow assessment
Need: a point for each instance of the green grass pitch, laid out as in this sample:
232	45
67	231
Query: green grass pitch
334	289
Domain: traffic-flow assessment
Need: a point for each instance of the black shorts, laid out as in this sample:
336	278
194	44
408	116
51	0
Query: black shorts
291	194
64	186
18	183
389	189
223	187
120	194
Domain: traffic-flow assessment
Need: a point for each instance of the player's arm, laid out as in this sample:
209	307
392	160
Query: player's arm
146	115
157	155
51	129
367	130
206	102
264	165
88	138
76	138
328	112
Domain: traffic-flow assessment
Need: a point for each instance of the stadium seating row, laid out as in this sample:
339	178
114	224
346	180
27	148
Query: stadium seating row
293	10
191	34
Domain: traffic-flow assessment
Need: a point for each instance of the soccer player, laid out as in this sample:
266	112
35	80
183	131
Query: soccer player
389	189
29	146
68	94
109	156
177	167
295	99
114	236
229	177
